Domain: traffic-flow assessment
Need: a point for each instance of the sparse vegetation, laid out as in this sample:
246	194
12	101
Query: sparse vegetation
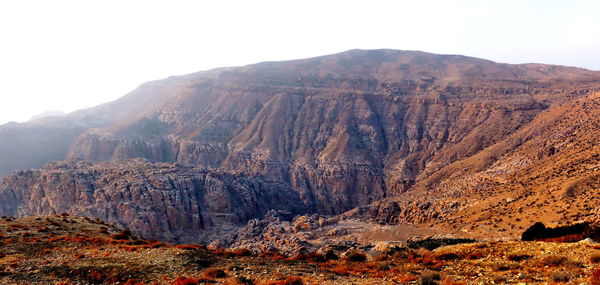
95	257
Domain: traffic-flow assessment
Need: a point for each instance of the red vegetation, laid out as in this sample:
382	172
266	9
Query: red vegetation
595	279
189	246
238	252
311	257
215	273
272	255
567	238
356	257
293	280
242	252
90	240
125	234
185	281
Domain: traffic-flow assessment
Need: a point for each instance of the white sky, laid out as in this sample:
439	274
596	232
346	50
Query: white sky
68	55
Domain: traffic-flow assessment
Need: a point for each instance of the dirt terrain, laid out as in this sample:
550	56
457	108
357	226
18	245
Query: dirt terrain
63	250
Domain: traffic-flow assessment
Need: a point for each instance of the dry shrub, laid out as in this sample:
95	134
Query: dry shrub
555	260
293	280
242	280
405	278
449	281
231	253
382	257
560	277
429	278
341	269
595	278
74	239
567	238
502	266
272	255
185	281
215	273
123	235
356	257
426	260
474	255
518	257
188	246
311	257
448	256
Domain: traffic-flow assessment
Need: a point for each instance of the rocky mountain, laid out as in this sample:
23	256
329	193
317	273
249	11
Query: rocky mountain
329	134
161	201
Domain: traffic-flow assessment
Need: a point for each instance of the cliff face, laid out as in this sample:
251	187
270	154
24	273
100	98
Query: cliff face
547	171
161	201
336	132
342	130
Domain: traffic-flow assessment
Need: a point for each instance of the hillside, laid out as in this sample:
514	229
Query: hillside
383	136
62	249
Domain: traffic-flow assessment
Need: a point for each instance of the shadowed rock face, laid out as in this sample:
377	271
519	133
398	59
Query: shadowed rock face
161	201
342	130
337	131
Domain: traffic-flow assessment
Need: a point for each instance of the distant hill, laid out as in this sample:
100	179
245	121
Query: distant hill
46	114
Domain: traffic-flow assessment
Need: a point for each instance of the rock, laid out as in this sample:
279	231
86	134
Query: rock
386	246
159	201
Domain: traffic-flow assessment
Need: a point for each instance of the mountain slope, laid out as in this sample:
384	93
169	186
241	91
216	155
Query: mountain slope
545	172
333	133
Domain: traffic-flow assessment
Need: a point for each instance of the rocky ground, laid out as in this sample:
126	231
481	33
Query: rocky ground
67	250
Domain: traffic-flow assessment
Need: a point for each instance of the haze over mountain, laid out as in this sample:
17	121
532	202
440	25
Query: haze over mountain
319	135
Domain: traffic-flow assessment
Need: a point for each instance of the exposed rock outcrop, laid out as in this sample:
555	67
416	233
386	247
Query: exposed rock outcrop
321	135
161	201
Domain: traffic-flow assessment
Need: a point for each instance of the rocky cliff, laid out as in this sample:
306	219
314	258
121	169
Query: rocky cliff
160	201
334	132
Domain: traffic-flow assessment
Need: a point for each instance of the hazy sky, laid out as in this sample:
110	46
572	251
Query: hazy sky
68	55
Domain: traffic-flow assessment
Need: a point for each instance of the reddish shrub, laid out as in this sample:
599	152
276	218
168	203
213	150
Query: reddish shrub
448	256
341	269
131	248
312	257
293	280
242	252
188	246
272	255
155	244
215	273
185	281
125	234
356	257
518	257
555	260
567	238
595	278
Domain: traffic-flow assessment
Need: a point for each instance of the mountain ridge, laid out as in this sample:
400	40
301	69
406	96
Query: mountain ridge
338	131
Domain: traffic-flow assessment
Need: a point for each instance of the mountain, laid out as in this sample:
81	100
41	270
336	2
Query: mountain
47	114
332	133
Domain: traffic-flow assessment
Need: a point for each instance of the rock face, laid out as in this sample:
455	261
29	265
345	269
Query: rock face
336	132
161	201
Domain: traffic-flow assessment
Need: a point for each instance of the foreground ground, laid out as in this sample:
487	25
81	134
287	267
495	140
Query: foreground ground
68	250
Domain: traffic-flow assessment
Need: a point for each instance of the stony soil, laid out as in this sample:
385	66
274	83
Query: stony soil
68	250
